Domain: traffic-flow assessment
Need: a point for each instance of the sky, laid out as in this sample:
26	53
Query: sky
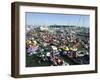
57	19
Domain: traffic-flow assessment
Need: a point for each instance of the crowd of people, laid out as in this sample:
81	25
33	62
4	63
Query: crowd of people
51	46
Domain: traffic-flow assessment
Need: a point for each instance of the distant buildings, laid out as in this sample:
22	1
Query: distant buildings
63	28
